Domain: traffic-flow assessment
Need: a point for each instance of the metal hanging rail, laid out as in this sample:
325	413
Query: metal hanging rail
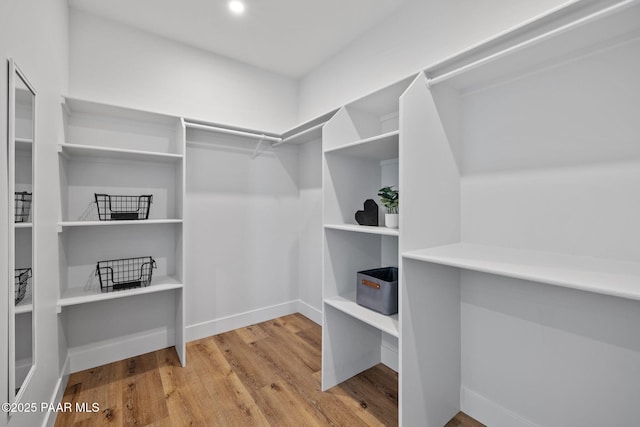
232	132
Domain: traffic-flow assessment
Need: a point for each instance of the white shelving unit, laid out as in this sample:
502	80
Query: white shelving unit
360	151
519	222
120	151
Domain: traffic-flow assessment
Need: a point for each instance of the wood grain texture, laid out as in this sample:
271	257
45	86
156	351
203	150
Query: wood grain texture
262	375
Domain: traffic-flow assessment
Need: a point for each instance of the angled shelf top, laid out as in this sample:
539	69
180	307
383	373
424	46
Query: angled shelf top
607	277
384	231
84	151
379	147
348	305
76	296
383	101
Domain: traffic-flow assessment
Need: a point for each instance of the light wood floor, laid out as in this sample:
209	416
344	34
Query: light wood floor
264	375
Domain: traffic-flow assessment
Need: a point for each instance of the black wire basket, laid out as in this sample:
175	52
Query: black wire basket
119	208
22	206
126	273
22	276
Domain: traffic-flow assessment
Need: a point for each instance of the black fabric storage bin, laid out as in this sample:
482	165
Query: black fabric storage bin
377	289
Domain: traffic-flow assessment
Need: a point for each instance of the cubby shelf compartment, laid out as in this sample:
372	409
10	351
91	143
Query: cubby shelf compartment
347	304
67	224
85	151
602	276
379	147
76	296
384	231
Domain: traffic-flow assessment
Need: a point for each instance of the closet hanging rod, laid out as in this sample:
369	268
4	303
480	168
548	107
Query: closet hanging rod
299	134
231	131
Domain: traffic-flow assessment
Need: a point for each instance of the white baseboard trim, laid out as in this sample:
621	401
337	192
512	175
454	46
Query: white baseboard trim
96	354
240	320
488	412
310	312
389	356
58	392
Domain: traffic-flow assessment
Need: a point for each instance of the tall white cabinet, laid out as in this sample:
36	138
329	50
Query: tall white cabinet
520	256
120	151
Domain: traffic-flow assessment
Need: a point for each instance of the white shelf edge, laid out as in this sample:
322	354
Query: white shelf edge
380	137
64	224
348	305
383	231
23	225
23	308
23	140
99	150
608	277
77	296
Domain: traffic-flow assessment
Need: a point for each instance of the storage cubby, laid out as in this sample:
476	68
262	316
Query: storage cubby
361	145
121	152
519	220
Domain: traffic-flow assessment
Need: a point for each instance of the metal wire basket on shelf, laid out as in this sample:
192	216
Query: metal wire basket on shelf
118	207
125	273
22	206
22	276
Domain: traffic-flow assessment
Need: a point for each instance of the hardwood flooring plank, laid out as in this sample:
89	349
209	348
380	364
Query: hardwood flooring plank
251	333
266	374
295	322
231	404
140	406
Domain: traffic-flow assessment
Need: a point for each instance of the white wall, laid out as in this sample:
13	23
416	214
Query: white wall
34	33
310	230
419	34
241	238
116	64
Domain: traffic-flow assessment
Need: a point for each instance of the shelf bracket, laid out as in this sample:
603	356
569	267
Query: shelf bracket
256	152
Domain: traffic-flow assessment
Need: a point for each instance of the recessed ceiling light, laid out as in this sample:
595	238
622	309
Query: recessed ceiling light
236	6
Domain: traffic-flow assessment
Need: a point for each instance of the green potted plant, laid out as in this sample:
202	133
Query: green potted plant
389	199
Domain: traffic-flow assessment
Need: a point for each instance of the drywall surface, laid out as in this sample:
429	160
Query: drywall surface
241	234
540	355
419	34
310	228
116	64
34	33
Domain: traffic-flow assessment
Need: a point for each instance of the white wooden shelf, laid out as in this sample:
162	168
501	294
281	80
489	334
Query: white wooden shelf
18	225
88	151
76	296
347	304
380	147
65	224
384	231
608	277
25	306
24	145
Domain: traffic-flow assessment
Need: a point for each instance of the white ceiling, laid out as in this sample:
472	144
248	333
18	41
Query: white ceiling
289	37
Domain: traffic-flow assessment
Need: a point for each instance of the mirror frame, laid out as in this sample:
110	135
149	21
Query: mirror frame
14	74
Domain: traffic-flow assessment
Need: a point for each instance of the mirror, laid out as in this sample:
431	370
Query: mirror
22	274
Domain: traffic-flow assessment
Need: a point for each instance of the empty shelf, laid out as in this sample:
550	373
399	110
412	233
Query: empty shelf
364	229
603	276
347	304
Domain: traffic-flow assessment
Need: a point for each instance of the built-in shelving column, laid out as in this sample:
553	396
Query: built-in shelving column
120	152
360	155
429	295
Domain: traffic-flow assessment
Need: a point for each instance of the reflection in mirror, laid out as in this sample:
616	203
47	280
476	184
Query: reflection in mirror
21	122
